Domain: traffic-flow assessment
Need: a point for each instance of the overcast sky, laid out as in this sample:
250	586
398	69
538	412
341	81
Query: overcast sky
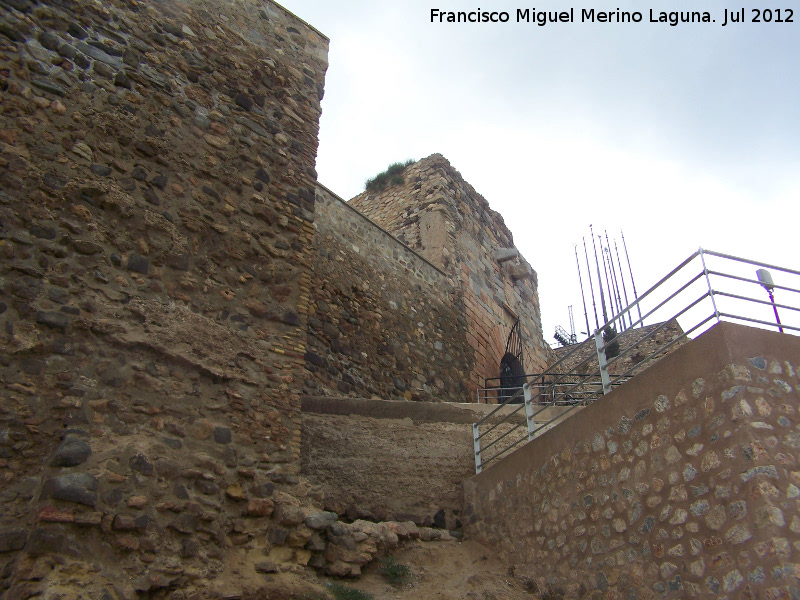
680	137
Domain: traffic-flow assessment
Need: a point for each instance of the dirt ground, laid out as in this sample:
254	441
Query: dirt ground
438	570
449	570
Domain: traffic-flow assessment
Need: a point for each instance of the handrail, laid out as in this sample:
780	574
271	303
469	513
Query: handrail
679	301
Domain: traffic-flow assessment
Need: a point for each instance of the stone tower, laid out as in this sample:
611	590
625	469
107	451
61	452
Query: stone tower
441	216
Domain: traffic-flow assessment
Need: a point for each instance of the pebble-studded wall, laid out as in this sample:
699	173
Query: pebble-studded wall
156	209
681	483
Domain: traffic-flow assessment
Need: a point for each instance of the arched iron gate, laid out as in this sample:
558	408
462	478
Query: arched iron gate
512	365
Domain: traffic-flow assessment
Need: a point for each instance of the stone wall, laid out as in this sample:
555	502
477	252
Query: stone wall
384	322
438	214
637	344
156	209
682	483
367	456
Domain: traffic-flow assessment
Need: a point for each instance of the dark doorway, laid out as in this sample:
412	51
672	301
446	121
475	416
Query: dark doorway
512	368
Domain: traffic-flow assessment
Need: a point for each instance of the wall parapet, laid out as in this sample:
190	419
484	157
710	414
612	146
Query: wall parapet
383	322
388	246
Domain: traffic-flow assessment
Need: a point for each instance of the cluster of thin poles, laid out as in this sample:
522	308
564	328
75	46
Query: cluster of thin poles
614	287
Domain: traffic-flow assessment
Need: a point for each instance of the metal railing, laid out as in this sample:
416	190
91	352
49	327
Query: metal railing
560	393
706	288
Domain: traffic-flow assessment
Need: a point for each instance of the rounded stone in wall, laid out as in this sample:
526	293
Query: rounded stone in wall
71	452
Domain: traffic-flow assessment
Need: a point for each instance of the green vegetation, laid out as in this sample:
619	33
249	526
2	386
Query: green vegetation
394	572
337	591
393	175
342	592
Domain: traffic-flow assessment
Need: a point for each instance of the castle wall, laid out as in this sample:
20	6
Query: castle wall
156	209
368	455
681	483
384	322
443	218
647	340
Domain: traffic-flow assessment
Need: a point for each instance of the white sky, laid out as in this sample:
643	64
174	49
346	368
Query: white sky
680	137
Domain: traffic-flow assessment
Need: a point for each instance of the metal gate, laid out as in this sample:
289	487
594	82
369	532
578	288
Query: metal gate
512	367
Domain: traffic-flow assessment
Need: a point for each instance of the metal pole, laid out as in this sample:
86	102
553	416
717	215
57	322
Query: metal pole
624	289
572	337
599	278
633	283
476	440
765	279
616	283
583	297
529	411
601	360
609	283
775	309
708	283
591	286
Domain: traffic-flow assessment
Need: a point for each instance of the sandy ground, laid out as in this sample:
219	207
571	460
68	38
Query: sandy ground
445	571
439	570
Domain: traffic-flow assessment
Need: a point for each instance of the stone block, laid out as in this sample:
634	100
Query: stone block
280	555
289	515
266	566
259	507
80	488
43	541
12	539
71	452
321	520
502	255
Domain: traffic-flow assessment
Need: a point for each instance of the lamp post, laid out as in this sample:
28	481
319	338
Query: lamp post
765	279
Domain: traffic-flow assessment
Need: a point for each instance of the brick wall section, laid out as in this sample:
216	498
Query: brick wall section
442	217
682	483
156	222
384	322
